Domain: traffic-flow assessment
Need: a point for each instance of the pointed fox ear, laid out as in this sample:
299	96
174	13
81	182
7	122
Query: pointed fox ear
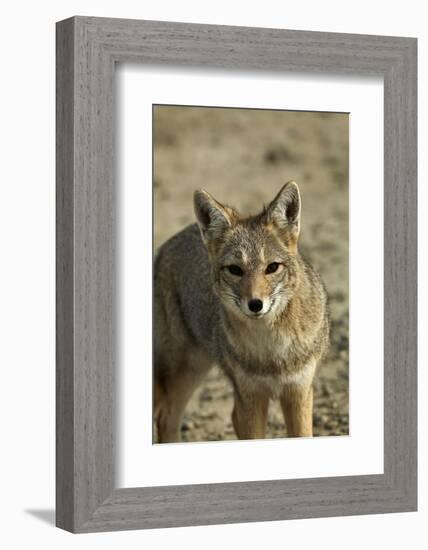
213	218
284	210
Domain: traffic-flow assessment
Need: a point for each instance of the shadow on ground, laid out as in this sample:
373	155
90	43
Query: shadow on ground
47	515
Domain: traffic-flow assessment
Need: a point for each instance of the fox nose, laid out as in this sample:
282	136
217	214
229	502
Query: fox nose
255	305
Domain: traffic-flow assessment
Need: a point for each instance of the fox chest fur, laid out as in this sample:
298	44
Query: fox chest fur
258	344
264	358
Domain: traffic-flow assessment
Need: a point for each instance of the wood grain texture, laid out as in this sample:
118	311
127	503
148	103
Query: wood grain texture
64	277
87	49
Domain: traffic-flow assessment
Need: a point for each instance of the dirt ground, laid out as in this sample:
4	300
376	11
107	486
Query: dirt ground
243	157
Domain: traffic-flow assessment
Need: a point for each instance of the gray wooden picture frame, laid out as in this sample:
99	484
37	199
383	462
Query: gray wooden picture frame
87	50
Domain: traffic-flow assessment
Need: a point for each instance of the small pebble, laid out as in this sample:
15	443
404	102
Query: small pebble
187	425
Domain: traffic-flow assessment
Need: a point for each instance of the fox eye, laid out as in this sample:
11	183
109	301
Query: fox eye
235	270
271	268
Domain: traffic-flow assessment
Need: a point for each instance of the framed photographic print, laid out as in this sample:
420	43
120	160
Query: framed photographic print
236	274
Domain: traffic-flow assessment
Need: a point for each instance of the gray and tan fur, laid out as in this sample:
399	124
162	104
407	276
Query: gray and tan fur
236	292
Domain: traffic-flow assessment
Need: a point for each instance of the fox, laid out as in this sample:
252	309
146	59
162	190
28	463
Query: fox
236	292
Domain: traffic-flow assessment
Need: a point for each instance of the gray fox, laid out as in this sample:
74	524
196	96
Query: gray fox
235	291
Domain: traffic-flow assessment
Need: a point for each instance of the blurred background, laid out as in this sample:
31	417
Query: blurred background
243	157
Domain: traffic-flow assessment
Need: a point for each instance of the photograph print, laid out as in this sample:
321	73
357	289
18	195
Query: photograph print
250	274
